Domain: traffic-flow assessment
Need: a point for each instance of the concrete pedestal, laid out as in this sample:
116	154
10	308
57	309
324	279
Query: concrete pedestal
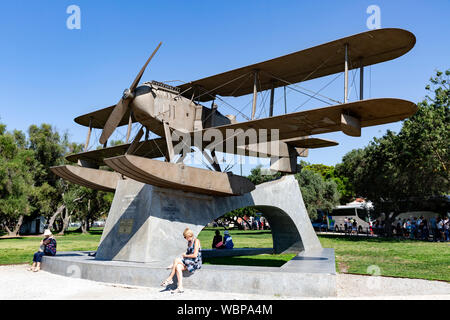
146	223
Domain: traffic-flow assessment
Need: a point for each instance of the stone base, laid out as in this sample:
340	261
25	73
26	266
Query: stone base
146	223
311	274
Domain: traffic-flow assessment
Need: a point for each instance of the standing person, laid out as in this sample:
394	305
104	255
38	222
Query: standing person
190	261
425	230
349	226
354	227
446	229
440	229
407	227
47	248
433	224
399	228
405	231
412	234
258	223
371	227
419	227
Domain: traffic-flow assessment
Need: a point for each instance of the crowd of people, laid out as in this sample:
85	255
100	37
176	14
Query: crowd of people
350	226
434	229
420	228
243	223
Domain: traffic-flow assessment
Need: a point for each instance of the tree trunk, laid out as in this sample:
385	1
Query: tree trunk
388	227
87	218
15	231
84	225
10	233
388	223
65	221
59	224
53	218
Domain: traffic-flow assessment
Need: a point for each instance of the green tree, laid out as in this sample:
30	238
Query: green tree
257	177
16	181
87	205
317	192
414	163
49	147
344	187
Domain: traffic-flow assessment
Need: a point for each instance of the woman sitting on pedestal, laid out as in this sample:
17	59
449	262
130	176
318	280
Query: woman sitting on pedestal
47	248
190	261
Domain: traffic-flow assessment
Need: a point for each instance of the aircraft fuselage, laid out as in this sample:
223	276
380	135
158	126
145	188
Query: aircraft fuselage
154	104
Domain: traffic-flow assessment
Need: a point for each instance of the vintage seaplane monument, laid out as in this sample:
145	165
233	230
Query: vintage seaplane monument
156	199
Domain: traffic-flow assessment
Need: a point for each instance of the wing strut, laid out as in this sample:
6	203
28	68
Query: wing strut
255	93
346	74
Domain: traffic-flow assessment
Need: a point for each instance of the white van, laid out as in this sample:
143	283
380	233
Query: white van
416	214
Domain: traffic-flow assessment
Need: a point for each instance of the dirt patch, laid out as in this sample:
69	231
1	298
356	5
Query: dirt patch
343	267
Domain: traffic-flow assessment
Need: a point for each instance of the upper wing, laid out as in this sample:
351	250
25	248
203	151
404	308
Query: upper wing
365	49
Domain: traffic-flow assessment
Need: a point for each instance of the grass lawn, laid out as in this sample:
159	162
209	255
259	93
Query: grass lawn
245	239
395	258
398	258
21	250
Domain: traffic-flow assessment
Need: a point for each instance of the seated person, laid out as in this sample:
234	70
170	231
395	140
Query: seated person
190	261
47	248
228	240
217	241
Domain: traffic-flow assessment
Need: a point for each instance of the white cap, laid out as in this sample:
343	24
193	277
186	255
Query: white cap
47	232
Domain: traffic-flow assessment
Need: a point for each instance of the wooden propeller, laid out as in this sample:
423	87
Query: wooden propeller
122	106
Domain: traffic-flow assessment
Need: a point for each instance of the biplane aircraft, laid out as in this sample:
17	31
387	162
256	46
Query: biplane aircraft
164	109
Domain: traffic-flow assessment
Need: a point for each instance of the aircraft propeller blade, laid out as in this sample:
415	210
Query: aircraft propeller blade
139	76
114	119
122	106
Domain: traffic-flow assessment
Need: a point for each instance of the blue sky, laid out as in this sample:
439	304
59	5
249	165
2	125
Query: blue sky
52	74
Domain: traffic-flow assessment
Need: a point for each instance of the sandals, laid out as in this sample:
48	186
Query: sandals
166	282
30	269
177	290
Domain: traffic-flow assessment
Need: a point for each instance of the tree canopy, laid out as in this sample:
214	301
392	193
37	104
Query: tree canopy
409	164
16	180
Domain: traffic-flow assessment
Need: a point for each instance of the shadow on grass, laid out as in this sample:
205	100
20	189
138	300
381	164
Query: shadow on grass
250	232
9	238
237	231
94	232
364	238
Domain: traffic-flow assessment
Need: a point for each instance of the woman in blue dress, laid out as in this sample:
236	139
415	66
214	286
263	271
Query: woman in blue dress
190	261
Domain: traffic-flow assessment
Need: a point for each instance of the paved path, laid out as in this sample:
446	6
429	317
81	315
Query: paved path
18	283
